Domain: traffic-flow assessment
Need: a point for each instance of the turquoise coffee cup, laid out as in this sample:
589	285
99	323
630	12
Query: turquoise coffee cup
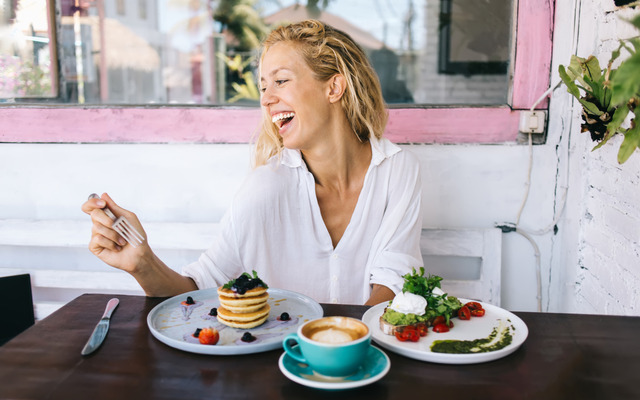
332	346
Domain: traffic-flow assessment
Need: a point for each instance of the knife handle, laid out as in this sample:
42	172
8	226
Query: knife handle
111	305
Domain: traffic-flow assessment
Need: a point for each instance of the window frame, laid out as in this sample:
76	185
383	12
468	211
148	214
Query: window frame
27	123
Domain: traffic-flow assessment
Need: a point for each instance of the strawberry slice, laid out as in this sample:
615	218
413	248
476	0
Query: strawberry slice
209	336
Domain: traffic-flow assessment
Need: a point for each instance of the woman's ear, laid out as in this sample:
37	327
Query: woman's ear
337	87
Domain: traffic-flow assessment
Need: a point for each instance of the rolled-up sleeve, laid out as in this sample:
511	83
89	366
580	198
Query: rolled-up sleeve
396	248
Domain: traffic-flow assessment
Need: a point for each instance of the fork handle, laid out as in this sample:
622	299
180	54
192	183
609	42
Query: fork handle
105	208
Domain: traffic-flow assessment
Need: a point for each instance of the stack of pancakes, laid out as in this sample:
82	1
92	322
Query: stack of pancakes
243	311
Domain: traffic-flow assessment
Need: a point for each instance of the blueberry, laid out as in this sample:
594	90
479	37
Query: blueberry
248	337
197	332
213	312
190	300
284	316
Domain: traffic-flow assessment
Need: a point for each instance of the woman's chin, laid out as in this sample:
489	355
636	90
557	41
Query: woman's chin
290	143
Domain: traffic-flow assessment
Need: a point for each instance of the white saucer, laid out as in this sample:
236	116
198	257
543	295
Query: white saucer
375	366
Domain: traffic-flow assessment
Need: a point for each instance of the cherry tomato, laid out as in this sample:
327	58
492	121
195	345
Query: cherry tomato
422	328
209	336
438	320
474	305
401	335
407	333
440	328
478	313
464	313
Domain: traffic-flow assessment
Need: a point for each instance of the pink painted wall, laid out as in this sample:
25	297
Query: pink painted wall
202	125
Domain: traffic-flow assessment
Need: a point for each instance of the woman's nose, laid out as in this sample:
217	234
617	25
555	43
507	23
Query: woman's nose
267	98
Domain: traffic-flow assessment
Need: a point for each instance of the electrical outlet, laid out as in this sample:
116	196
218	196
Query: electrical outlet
533	121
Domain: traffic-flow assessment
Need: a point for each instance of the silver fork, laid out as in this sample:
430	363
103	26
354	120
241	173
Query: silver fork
122	226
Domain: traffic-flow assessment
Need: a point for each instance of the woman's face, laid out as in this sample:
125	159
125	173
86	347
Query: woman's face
296	101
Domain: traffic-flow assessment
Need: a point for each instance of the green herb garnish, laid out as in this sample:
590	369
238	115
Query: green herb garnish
418	284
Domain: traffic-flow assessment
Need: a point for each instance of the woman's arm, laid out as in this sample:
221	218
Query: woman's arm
379	294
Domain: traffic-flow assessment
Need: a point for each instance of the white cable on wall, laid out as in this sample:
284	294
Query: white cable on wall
525	232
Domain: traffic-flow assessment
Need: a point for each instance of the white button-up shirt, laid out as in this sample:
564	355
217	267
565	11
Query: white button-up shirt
275	227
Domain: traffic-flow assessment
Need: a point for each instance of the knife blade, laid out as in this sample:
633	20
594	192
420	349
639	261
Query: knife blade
100	331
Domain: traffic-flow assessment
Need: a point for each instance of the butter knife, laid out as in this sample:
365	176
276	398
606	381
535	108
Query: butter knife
100	332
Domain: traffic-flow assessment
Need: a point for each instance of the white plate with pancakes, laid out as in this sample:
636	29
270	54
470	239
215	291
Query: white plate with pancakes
475	328
174	322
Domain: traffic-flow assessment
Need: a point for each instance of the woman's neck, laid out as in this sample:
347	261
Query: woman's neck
339	164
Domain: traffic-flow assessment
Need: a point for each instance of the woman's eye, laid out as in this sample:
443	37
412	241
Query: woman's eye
280	82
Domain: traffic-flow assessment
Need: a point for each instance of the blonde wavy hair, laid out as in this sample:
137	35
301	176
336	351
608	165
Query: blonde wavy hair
328	51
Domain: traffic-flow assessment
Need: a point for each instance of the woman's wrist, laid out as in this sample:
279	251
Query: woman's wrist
158	280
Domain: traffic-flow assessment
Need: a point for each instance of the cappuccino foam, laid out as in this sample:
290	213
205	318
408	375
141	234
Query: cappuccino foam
333	336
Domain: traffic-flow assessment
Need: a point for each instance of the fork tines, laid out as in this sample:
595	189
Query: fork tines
128	232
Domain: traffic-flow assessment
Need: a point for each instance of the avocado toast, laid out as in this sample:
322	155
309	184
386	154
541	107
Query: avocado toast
421	301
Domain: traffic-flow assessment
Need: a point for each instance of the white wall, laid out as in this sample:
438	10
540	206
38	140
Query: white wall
604	270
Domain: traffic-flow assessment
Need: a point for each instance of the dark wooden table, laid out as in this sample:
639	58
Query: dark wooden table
566	356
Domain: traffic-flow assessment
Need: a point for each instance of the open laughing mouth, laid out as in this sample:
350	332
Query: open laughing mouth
282	119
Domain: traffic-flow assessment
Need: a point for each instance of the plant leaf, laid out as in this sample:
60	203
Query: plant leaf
626	81
636	44
596	90
630	143
568	78
607	93
617	119
592	108
575	69
592	69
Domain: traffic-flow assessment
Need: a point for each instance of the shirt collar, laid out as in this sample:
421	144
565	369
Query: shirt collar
381	149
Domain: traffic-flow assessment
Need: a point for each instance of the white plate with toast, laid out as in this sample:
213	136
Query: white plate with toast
467	330
174	323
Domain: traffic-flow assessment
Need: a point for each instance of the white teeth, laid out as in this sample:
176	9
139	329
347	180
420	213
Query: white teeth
281	116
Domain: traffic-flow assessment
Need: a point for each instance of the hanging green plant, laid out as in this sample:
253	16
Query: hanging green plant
608	95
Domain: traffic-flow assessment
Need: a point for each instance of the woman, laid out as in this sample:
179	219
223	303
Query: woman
332	210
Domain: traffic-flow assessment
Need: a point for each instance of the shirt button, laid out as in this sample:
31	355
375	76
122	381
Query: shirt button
334	278
335	256
334	301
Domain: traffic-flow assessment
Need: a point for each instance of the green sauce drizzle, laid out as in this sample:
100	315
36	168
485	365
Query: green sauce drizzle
498	339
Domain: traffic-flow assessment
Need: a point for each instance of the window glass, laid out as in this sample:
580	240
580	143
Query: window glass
27	59
433	52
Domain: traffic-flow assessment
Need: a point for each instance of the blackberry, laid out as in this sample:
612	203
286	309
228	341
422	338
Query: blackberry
197	332
190	300
213	312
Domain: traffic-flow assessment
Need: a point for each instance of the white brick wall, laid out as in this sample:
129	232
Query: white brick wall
608	277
